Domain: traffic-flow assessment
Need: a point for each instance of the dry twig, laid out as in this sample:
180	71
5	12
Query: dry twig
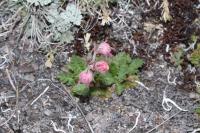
156	127
10	80
40	95
136	121
71	97
17	93
12	115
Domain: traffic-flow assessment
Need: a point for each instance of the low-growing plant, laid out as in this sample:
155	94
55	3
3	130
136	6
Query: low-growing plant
197	110
46	21
101	75
177	57
195	56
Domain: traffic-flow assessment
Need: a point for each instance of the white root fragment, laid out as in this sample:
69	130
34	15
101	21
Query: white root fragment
196	82
6	110
167	48
196	130
134	51
69	126
148	3
141	84
56	129
73	100
162	123
166	106
4	97
169	77
5	60
136	121
192	46
191	69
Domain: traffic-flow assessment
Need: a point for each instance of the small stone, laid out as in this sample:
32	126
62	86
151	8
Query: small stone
194	95
47	112
149	74
29	77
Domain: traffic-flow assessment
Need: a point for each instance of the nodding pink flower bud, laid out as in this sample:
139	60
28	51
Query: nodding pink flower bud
104	49
101	66
85	77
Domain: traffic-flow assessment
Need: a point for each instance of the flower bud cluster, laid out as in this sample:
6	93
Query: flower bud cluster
87	76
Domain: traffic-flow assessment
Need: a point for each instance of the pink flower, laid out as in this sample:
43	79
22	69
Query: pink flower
104	49
101	66
85	77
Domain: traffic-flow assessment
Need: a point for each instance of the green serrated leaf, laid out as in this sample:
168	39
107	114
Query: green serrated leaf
121	75
113	69
119	64
106	78
66	78
121	58
119	88
77	64
122	72
134	66
122	65
80	90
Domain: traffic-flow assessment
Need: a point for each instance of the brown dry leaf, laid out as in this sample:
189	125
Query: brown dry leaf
87	44
105	16
165	12
50	59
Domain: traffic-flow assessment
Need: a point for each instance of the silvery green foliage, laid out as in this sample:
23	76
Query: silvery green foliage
65	37
39	2
65	19
72	14
61	22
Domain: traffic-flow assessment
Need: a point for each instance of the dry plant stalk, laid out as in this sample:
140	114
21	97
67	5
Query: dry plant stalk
105	16
165	12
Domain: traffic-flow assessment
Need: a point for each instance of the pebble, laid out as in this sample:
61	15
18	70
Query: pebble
47	112
194	95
